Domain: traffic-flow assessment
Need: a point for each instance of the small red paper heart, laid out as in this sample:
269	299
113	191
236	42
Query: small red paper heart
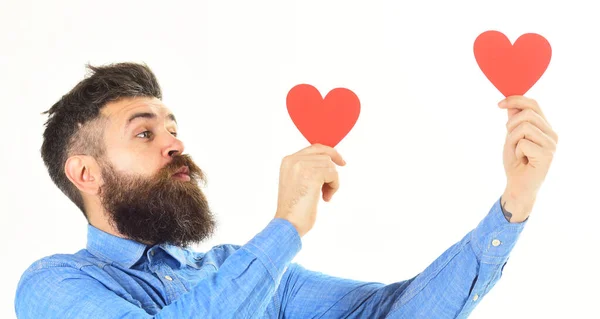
512	69
323	120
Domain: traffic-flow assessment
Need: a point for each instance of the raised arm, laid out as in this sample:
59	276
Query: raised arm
455	283
450	287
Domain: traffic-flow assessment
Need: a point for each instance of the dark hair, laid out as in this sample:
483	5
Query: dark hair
74	124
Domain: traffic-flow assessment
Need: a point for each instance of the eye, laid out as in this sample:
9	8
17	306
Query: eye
174	134
145	134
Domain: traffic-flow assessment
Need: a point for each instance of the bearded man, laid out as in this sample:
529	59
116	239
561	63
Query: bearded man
111	146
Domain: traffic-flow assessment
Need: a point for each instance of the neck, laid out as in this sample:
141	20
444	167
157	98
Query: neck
100	221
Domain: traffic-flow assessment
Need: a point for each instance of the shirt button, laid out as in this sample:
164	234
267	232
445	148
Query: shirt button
152	253
495	243
475	297
167	277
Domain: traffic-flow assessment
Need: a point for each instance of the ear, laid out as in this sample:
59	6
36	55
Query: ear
84	172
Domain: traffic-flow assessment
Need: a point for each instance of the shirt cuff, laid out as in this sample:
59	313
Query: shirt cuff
494	238
276	246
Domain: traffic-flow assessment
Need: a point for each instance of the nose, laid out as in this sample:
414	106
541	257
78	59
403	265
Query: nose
173	152
173	147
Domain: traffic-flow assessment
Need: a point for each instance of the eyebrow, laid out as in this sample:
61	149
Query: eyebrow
147	115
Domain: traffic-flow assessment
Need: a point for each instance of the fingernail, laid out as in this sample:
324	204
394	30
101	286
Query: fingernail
502	103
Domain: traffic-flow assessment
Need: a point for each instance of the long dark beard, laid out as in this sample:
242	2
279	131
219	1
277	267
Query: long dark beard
159	209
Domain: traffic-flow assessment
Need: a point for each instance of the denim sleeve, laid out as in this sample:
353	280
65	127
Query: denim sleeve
450	287
242	288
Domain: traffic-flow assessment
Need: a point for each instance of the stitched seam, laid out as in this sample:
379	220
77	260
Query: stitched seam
269	269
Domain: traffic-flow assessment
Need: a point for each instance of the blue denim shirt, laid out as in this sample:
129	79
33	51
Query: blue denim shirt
120	278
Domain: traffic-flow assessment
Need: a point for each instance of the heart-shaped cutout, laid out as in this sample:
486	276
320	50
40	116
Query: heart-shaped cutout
323	120
512	69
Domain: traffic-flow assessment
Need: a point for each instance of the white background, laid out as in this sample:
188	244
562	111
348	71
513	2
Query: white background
424	159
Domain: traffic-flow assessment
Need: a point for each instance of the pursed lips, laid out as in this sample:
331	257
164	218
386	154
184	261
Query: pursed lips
182	174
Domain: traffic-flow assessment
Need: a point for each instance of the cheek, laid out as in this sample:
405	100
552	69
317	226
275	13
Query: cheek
136	162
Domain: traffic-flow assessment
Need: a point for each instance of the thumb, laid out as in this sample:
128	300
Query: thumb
512	112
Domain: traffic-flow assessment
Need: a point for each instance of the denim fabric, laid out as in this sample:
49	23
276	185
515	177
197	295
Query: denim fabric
120	278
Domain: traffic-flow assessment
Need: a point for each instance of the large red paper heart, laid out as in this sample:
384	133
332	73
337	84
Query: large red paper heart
323	120
512	69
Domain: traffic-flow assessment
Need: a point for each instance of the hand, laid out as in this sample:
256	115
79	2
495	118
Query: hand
302	177
528	153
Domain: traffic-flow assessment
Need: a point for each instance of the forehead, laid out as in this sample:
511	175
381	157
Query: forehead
119	111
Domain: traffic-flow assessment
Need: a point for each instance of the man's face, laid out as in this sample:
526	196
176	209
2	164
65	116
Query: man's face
150	190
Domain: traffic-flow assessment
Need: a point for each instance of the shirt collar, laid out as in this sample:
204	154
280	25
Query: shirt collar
123	251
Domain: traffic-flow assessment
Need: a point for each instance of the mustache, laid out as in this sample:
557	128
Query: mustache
176	163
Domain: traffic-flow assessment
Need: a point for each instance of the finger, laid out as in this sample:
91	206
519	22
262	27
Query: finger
323	149
330	177
321	170
529	152
316	161
327	192
519	102
528	131
533	118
